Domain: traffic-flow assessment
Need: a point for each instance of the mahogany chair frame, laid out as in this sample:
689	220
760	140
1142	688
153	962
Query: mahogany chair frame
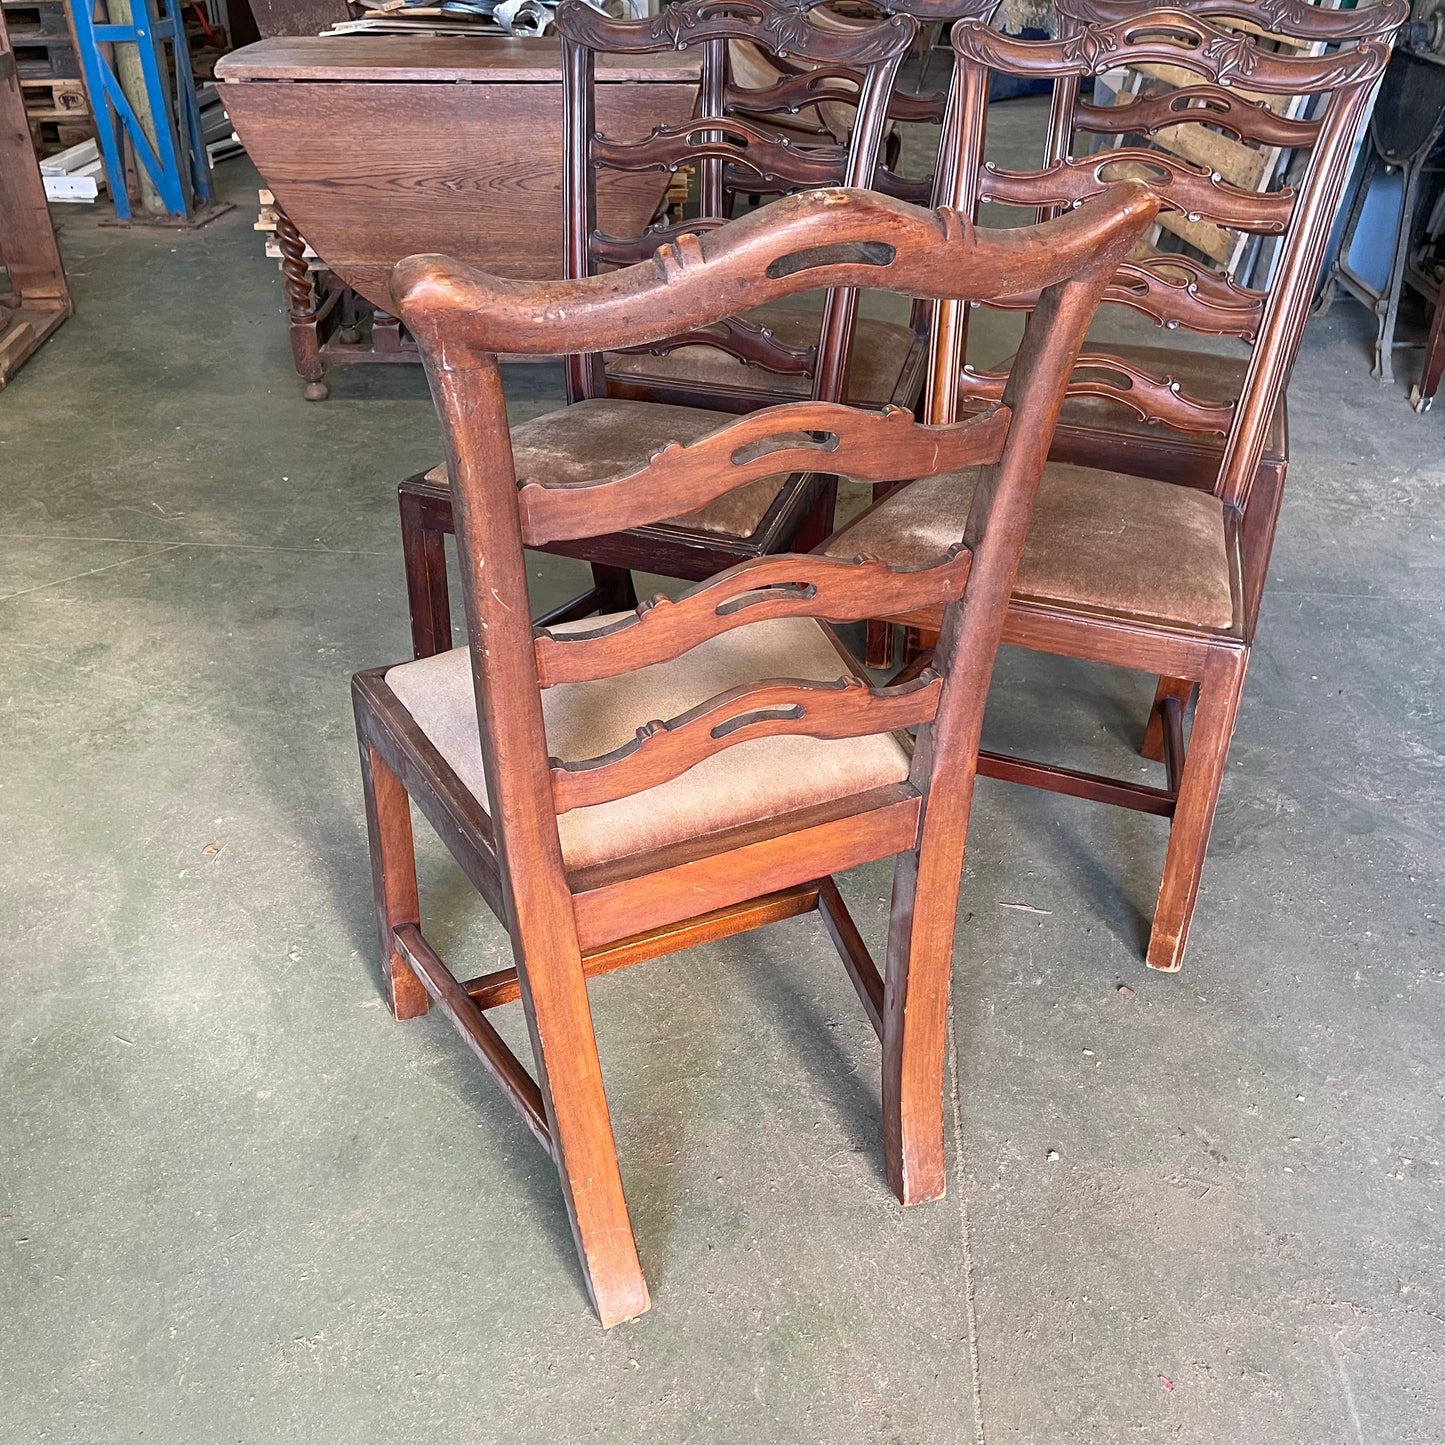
1190	662
568	924
802	513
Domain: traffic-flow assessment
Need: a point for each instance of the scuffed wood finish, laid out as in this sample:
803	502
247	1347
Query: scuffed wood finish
462	147
38	299
568	925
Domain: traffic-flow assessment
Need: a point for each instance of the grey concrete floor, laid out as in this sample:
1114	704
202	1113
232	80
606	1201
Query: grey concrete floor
240	1203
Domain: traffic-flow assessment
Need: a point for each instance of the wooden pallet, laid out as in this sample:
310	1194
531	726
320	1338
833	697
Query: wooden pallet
39	299
47	66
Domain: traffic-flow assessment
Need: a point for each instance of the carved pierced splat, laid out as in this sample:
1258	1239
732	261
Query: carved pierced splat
1169	37
1182	186
738	142
1249	120
785	586
1177	291
662	750
1154	399
864	446
756	345
629	250
783	29
1298	19
828	84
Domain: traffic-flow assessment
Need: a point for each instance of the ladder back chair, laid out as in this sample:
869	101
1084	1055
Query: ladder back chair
1150	545
626	403
622	787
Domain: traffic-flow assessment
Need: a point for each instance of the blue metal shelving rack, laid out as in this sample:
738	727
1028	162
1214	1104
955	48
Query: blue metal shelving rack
176	163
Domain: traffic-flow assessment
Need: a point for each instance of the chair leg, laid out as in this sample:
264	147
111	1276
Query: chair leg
1214	718
424	556
615	590
570	1075
1175	687
393	877
878	644
915	1027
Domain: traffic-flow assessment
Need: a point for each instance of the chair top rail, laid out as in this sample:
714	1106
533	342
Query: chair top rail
785	30
824	238
1295	19
1172	37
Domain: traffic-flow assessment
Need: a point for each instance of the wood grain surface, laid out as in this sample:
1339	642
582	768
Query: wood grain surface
374	170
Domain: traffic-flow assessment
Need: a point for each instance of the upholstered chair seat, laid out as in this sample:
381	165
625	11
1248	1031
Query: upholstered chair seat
761	778
1100	541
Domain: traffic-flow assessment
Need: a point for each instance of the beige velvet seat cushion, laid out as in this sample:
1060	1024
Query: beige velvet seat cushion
880	349
751	780
1100	540
599	438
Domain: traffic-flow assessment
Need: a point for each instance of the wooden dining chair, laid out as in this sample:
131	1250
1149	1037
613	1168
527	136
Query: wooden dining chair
626	786
624	404
1157	510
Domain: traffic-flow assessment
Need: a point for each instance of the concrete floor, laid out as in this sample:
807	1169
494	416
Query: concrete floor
241	1204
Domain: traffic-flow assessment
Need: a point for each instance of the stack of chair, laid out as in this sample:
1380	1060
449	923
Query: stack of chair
622	785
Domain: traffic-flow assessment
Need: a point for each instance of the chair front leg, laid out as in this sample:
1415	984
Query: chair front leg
915	1026
424	556
393	877
1214	718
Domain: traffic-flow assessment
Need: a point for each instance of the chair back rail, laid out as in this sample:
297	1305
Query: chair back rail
787	585
831	238
1174	290
663	750
735	144
864	446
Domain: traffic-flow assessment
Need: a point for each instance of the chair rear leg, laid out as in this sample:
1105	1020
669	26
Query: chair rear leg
915	1026
614	587
1204	760
424	555
393	877
569	1073
1176	687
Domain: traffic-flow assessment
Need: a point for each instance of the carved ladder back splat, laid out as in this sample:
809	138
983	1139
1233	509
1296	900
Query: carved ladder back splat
1230	82
730	149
